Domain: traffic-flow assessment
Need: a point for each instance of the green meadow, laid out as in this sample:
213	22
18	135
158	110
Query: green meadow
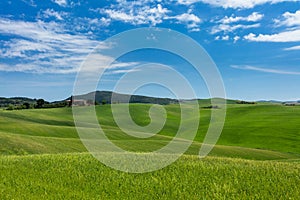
256	157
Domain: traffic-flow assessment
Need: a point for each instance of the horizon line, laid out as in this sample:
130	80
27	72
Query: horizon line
161	97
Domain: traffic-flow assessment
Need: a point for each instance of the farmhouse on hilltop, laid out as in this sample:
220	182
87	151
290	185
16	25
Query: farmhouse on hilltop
80	102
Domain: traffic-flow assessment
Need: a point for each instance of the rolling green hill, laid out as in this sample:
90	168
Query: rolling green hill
257	156
273	128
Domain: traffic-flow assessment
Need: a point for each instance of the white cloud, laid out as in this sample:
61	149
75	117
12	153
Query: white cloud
236	38
51	13
292	34
186	17
35	68
122	71
104	21
228	24
295	48
289	19
142	14
53	49
231	28
121	16
46	48
226	37
187	2
195	30
96	62
61	2
192	21
19	47
244	4
266	70
254	17
116	65
287	36
46	33
148	12
88	25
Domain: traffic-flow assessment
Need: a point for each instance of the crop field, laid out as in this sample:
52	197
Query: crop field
256	157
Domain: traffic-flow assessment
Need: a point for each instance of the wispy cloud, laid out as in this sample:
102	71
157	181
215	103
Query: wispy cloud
254	17
286	36
237	4
43	47
61	2
233	23
224	38
51	13
30	2
36	67
46	47
294	48
121	71
266	70
231	28
117	65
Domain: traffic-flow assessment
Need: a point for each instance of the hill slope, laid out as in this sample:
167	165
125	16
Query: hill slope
250	131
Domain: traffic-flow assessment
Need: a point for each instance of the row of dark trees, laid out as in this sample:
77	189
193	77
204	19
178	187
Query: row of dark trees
245	102
40	103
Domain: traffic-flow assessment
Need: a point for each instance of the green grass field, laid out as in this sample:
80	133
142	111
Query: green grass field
257	157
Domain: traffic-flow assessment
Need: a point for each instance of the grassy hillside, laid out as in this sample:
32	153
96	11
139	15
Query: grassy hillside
248	128
274	127
257	157
80	176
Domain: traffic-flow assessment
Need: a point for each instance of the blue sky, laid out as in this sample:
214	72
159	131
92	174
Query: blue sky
255	44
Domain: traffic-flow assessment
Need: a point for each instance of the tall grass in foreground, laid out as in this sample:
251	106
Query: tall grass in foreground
80	176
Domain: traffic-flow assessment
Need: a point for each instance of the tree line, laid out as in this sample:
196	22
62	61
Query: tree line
38	104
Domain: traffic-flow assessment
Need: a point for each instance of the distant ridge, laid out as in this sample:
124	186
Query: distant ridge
270	101
106	96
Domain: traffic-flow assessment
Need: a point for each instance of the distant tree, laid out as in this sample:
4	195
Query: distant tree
211	107
104	102
26	105
70	102
10	107
245	102
40	103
